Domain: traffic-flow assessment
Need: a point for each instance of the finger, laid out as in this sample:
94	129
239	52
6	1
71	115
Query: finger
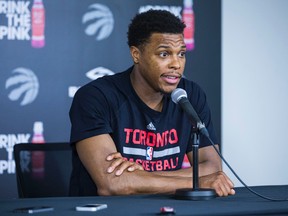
229	185
122	167
115	164
232	192
225	189
219	188
131	168
113	156
222	185
135	166
219	192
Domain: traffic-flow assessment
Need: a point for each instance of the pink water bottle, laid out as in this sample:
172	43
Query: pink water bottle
38	157
38	24
188	19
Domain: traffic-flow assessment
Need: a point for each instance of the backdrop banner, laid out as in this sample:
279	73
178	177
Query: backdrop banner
49	48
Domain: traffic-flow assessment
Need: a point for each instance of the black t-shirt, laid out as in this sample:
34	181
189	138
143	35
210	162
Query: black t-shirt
157	140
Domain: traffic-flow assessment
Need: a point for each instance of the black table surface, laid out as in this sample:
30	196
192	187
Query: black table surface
243	203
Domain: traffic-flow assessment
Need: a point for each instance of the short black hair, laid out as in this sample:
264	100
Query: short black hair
153	21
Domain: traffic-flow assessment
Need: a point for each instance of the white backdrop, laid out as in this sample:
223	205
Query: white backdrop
255	90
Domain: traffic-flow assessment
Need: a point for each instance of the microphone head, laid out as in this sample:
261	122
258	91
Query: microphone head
177	94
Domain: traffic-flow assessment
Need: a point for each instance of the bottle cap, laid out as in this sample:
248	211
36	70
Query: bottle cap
38	127
188	3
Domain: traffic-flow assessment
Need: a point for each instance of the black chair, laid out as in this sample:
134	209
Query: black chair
43	170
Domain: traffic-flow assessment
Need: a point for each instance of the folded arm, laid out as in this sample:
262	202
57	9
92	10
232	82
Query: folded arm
93	152
130	178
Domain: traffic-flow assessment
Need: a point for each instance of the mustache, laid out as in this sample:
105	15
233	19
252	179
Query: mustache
173	73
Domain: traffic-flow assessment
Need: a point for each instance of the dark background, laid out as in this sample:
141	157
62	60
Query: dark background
69	54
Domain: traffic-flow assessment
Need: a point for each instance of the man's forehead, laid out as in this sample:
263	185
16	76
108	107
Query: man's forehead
167	39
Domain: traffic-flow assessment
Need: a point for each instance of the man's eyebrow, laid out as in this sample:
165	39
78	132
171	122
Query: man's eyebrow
167	46
163	46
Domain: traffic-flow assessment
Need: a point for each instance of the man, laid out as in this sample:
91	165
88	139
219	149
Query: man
128	135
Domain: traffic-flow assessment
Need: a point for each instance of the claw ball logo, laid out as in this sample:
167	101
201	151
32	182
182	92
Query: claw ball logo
24	84
100	21
98	72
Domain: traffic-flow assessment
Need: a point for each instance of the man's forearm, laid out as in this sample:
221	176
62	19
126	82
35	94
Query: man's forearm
187	173
143	182
209	167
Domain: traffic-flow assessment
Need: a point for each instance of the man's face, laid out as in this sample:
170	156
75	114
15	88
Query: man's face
162	61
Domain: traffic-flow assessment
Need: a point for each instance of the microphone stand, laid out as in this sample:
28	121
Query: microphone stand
195	193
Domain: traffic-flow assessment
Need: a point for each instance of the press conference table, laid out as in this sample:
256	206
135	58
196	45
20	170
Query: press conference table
243	203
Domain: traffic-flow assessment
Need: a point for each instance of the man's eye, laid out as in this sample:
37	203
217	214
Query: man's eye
163	54
182	54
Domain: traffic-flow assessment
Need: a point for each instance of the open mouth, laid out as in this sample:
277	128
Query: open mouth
171	79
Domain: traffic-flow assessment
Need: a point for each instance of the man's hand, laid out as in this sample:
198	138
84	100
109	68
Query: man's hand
119	164
219	182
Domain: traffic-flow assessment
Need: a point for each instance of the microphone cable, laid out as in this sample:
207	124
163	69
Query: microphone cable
179	96
243	183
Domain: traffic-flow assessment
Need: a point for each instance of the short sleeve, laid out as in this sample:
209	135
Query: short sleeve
89	114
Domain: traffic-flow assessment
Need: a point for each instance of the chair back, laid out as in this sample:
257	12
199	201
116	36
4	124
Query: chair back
43	170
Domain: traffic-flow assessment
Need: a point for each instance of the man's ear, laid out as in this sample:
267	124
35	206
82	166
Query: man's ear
135	53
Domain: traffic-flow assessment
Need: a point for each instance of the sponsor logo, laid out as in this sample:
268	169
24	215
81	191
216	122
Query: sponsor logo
99	20
93	75
7	142
150	126
18	20
98	72
23	86
38	24
149	153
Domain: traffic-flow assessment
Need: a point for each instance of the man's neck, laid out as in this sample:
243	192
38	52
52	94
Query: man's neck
152	99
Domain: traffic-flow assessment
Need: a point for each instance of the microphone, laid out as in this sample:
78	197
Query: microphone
179	96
